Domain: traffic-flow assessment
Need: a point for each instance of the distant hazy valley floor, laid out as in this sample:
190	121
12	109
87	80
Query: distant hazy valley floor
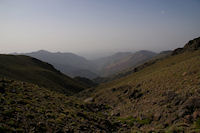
162	95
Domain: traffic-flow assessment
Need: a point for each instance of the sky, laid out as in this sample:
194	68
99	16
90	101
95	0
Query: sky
97	27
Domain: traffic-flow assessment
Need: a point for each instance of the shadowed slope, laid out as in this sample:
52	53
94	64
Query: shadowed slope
68	63
35	71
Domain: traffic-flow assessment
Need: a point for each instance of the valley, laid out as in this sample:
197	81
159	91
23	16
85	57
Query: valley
159	95
99	66
78	66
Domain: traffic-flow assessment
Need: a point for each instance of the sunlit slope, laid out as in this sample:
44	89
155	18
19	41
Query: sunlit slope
35	71
165	95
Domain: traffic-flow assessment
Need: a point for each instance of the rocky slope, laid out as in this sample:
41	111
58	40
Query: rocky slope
160	97
25	107
190	46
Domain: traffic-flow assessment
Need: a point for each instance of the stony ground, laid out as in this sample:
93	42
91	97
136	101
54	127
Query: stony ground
25	107
163	97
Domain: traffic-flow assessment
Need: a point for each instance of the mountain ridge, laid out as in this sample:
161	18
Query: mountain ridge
29	69
68	63
123	60
74	65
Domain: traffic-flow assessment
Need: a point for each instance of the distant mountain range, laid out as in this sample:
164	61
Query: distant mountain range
160	95
75	65
68	63
122	61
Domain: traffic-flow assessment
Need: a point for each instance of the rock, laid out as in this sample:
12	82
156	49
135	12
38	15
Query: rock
127	87
184	73
192	103
113	89
189	106
193	44
157	116
196	114
115	114
80	114
198	91
170	120
2	89
178	100
90	99
138	125
124	125
13	90
182	112
138	85
135	69
135	94
188	118
177	51
125	92
170	95
190	46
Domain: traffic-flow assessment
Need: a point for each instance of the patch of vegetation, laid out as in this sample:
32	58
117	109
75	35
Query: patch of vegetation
130	121
197	123
144	121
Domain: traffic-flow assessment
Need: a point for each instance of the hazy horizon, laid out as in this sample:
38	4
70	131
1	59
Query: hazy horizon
94	28
89	56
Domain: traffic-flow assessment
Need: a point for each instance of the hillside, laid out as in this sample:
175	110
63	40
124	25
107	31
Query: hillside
110	65
132	60
104	61
161	97
31	70
25	107
68	63
162	55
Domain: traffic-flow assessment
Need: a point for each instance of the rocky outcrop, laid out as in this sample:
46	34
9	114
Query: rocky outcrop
190	46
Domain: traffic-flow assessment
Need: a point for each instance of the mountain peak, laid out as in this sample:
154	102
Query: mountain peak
42	51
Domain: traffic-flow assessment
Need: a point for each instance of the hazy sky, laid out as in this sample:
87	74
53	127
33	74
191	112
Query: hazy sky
97	26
